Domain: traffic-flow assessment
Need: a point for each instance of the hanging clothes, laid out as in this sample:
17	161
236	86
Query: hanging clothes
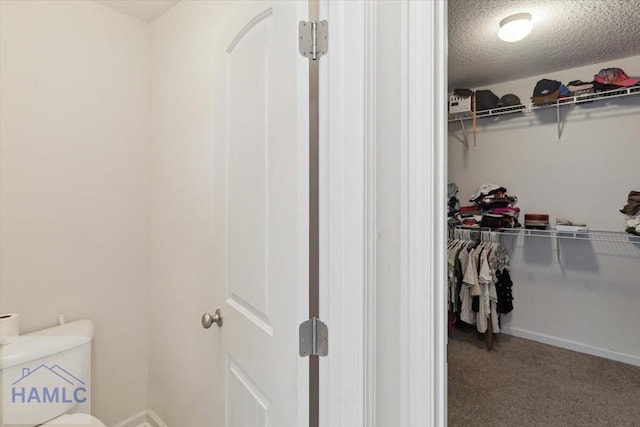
479	285
503	288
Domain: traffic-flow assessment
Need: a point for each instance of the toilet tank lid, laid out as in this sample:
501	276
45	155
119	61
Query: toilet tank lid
77	328
45	342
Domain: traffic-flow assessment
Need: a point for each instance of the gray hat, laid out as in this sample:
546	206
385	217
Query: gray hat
509	100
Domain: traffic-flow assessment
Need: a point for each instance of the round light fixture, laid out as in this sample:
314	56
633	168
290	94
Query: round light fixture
515	27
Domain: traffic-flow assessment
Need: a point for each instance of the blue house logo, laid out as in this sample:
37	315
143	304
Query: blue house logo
48	384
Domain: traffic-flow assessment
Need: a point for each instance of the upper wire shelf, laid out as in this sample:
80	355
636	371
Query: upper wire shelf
570	100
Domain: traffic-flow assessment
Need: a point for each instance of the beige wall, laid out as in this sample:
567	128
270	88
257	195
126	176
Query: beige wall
74	133
182	380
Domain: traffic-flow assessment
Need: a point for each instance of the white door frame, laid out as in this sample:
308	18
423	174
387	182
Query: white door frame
424	232
347	152
342	144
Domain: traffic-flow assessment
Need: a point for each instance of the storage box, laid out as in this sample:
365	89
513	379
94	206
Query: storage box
459	106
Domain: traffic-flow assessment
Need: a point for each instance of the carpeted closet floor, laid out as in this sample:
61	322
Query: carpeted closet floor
525	383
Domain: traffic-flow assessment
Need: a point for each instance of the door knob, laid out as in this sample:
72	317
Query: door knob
208	319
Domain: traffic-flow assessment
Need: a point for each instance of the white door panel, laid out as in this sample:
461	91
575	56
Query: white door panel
247	146
261	193
247	404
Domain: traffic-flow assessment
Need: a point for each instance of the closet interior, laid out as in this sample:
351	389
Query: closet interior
569	237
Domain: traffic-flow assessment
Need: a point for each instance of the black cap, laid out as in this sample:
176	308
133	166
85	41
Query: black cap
546	91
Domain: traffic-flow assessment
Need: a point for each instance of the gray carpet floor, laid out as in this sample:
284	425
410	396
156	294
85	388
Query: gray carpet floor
525	383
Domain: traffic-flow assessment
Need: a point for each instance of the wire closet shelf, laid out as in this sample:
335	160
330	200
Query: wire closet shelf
568	101
591	235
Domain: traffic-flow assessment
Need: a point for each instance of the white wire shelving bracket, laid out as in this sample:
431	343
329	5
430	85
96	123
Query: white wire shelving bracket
570	101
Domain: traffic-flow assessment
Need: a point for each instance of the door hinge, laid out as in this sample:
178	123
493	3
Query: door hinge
313	39
314	338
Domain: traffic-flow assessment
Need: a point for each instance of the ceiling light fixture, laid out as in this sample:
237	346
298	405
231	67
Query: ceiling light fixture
515	27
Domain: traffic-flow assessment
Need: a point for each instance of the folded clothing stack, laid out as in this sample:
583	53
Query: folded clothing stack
496	207
470	215
453	204
632	211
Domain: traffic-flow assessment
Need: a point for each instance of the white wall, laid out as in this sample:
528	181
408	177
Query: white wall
591	297
183	355
74	183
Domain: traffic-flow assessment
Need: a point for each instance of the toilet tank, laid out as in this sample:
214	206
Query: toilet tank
46	374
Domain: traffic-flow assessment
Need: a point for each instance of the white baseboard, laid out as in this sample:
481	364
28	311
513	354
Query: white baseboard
143	419
138	420
571	345
154	420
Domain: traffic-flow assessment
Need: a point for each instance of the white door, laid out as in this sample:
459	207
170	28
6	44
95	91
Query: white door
261	163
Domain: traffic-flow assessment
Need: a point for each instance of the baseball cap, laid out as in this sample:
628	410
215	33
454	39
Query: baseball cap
615	76
509	100
546	91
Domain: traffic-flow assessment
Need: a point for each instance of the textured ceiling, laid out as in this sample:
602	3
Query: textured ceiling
145	10
566	34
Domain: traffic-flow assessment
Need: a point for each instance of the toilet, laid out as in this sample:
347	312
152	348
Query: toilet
62	355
